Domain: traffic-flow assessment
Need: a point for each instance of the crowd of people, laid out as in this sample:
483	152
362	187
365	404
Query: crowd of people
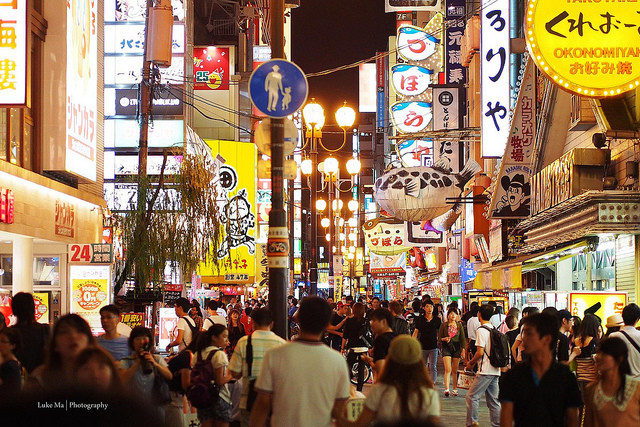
533	368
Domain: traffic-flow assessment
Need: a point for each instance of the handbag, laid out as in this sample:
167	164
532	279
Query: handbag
160	392
465	379
253	394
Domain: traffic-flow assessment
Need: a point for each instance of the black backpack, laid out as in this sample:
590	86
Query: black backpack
500	353
194	329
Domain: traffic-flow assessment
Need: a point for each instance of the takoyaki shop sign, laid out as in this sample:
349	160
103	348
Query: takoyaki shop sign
587	47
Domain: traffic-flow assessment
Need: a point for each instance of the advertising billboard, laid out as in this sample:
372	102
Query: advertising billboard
13	53
82	88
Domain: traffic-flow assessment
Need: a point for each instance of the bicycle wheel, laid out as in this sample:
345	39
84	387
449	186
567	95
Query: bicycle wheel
354	373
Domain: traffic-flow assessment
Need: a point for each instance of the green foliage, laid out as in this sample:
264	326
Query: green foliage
178	222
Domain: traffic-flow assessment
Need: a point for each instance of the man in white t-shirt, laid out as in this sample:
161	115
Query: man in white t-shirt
317	391
214	317
472	326
630	335
185	325
487	377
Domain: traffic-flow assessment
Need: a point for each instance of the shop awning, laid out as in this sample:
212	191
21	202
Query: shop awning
508	275
553	257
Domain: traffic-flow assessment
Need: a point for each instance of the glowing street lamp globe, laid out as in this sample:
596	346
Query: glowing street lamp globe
345	116
313	114
353	166
331	166
306	167
353	206
321	205
325	222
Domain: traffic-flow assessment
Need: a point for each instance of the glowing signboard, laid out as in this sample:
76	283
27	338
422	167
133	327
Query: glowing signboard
590	49
130	39
494	55
13	53
415	43
82	88
90	286
211	68
411	117
410	80
127	70
164	133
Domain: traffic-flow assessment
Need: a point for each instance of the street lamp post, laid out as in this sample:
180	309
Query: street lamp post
313	114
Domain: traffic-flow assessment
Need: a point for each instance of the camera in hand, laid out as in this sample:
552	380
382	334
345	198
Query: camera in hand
147	368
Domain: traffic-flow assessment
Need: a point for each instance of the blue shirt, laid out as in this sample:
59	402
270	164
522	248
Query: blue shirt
119	347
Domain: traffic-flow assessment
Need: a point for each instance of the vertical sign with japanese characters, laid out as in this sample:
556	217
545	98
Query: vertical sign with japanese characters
512	196
82	88
237	205
13	52
494	55
454	29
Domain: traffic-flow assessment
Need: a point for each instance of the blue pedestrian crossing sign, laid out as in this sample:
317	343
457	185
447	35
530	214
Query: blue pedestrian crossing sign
278	88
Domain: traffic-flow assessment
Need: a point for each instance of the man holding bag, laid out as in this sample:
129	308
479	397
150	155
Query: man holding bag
244	355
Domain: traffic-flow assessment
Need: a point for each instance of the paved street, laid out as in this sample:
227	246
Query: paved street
454	410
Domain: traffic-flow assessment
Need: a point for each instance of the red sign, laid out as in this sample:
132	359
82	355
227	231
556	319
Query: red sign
211	68
6	206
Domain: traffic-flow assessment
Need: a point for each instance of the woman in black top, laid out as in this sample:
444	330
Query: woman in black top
236	330
354	328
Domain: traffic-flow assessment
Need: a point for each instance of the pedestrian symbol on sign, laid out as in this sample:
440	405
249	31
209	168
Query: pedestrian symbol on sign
278	88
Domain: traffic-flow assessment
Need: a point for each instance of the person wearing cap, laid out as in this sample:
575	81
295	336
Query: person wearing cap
404	391
631	336
564	349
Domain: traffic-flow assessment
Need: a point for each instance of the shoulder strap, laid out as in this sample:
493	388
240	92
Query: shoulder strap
633	343
249	355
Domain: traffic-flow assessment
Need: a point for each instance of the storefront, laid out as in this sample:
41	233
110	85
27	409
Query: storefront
39	219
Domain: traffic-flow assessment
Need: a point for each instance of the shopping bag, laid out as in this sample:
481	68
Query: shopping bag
355	406
465	379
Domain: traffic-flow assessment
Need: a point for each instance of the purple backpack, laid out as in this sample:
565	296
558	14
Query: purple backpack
203	391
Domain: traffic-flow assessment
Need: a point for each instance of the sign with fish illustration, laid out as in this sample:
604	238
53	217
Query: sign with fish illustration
512	195
411	117
415	43
421	193
415	152
385	236
410	80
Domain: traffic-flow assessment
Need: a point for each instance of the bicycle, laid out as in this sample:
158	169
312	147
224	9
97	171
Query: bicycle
355	362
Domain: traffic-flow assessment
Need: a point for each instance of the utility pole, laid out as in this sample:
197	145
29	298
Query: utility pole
278	229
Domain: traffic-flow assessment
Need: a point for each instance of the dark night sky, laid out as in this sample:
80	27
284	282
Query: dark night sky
332	33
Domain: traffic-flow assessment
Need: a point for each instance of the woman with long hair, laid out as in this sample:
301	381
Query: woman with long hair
95	371
236	329
584	353
71	335
215	339
453	341
404	391
354	328
10	367
34	335
613	400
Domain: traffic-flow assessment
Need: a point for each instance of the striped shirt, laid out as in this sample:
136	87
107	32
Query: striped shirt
261	341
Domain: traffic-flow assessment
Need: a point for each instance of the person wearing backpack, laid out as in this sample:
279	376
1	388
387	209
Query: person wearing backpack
187	329
487	377
208	368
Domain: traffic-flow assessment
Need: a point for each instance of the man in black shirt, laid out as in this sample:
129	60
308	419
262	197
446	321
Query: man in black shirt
566	323
541	391
427	327
381	320
335	334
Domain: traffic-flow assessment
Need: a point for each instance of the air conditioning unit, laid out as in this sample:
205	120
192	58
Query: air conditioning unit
582	116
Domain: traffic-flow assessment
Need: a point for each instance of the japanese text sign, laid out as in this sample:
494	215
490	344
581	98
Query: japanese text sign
94	253
411	117
512	196
82	89
211	68
410	80
494	55
90	286
454	30
13	52
415	44
588	48
446	108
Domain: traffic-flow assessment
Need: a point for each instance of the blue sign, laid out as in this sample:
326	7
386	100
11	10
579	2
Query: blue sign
467	272
278	88
380	110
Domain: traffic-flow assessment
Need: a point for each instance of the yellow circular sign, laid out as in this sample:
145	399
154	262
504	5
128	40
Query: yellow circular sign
588	47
